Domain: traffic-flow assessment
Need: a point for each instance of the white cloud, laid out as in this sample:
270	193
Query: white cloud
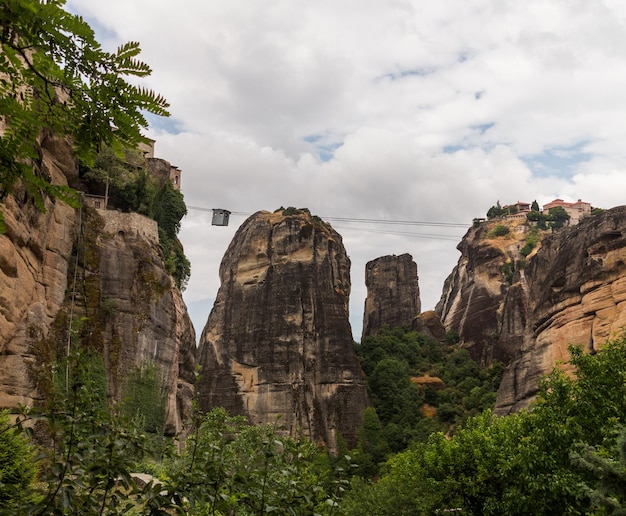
398	110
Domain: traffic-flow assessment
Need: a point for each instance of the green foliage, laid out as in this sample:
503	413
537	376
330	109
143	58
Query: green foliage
608	494
558	217
372	449
293	211
508	269
540	219
532	239
499	231
534	206
57	78
144	398
393	357
231	467
562	457
17	468
86	470
169	209
130	188
495	211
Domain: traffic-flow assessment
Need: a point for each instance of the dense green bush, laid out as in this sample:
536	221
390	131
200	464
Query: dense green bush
392	358
566	455
499	231
17	468
144	398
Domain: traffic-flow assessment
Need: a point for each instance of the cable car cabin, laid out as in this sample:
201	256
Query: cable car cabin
220	217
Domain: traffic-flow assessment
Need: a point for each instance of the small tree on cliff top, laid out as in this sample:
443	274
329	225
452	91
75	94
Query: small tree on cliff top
56	77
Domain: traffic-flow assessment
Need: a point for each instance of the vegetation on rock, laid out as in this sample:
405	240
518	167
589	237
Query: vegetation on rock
131	188
563	456
94	453
566	455
57	78
419	385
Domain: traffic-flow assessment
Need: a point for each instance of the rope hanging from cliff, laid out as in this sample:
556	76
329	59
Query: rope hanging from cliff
69	329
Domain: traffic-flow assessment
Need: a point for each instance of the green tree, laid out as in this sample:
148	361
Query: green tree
561	457
372	449
169	209
534	206
57	78
232	467
144	398
498	231
17	466
558	217
495	211
608	493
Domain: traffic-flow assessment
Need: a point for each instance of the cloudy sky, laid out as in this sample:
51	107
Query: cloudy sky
396	110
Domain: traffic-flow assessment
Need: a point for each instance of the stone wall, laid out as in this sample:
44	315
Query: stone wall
138	225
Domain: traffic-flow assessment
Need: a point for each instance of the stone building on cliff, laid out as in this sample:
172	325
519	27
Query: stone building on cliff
576	210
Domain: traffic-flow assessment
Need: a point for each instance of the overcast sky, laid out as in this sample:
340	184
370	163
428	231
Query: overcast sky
422	111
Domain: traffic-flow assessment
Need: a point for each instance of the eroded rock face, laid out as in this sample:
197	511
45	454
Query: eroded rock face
572	290
141	318
477	293
278	340
576	295
429	324
393	296
63	265
34	258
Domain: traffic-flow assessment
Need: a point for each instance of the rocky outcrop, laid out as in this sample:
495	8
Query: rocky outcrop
576	292
137	314
429	324
34	259
488	279
393	297
525	312
278	340
73	278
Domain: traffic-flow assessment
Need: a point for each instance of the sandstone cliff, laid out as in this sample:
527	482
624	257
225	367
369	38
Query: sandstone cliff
278	340
576	295
103	271
525	312
393	296
487	279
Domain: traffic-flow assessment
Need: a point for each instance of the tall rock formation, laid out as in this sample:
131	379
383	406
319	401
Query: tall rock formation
88	278
393	296
576	294
278	340
488	278
571	290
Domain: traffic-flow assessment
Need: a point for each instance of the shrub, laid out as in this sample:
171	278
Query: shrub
17	467
498	231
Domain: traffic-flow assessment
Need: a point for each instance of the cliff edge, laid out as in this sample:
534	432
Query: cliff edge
526	310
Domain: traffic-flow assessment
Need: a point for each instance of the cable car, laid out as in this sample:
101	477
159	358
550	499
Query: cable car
220	217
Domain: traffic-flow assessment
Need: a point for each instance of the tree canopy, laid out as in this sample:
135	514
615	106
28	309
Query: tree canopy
566	455
55	76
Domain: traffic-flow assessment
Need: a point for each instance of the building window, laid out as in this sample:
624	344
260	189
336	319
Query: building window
97	203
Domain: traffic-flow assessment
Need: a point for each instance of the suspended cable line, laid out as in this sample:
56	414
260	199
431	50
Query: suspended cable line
451	238
399	222
368	221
